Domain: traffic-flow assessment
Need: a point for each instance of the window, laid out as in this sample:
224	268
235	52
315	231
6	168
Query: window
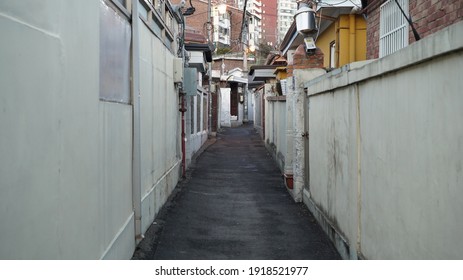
192	114
115	39
393	27
198	112
333	54
123	6
205	112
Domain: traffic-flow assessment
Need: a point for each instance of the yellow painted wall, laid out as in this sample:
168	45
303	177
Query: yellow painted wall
350	42
281	73
351	35
361	38
323	42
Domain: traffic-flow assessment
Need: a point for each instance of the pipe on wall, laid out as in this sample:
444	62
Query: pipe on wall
136	145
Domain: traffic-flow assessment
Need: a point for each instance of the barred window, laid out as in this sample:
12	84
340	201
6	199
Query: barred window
393	28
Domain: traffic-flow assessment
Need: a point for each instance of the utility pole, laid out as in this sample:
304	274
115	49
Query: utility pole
245	44
245	70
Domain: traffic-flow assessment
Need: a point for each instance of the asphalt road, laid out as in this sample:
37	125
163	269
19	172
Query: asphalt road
233	205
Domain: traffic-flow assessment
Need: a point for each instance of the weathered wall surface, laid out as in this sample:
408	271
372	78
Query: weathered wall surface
429	16
385	143
161	157
65	164
65	154
276	130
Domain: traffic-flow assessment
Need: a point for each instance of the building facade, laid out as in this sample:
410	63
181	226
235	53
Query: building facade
342	33
388	30
269	22
254	23
91	128
285	16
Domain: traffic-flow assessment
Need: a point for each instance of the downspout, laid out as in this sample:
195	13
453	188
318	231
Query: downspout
183	110
209	18
136	145
182	97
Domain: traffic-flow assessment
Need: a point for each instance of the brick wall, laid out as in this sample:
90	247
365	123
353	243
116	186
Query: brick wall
215	112
199	19
235	21
373	34
303	61
229	64
429	16
269	22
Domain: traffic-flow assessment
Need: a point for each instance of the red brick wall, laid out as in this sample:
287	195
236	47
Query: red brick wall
429	16
229	64
215	112
373	34
235	22
303	61
199	19
269	21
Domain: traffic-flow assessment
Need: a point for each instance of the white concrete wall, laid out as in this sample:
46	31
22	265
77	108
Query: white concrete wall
65	155
258	111
65	168
194	139
276	127
385	152
225	115
250	104
160	124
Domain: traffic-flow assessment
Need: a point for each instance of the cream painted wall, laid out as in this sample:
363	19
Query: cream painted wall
160	137
333	159
115	192
385	152
194	139
62	195
225	107
276	137
412	190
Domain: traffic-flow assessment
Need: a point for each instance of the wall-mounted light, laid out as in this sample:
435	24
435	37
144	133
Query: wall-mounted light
241	95
252	48
305	24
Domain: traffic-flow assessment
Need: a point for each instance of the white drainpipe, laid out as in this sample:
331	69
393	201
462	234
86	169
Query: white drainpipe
136	157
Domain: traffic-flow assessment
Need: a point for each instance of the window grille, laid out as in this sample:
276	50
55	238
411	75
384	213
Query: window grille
393	27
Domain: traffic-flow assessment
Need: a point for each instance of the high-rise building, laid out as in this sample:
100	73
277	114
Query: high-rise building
254	12
269	22
285	16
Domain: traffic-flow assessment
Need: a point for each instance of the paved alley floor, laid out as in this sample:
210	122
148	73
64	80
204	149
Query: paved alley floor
234	205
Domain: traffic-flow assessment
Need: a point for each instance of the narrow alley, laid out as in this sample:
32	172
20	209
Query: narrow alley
233	205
